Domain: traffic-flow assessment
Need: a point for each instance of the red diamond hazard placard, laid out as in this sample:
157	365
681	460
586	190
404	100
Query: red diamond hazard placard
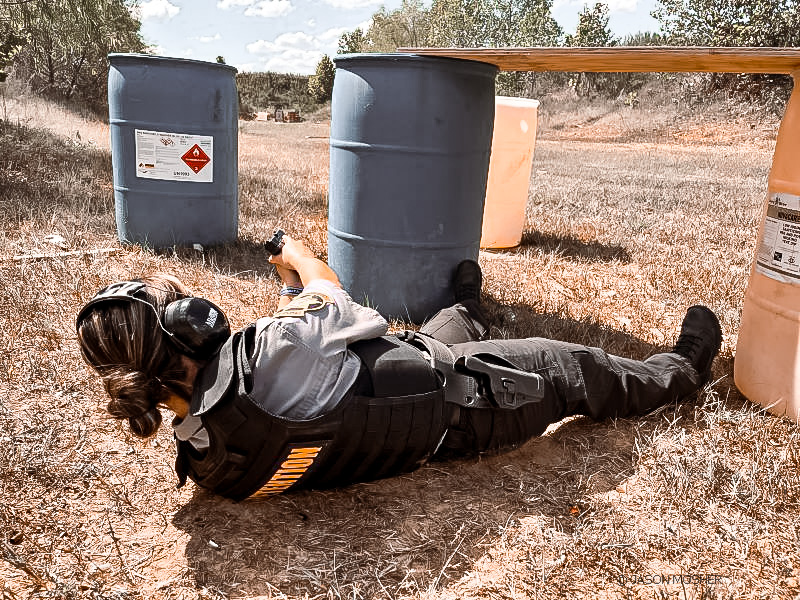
172	156
195	158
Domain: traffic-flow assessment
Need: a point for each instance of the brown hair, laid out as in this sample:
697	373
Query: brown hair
139	366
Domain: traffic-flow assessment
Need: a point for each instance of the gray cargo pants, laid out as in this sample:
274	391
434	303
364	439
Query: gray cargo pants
579	380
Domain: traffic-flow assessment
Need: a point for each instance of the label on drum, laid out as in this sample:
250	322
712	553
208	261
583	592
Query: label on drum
174	156
779	246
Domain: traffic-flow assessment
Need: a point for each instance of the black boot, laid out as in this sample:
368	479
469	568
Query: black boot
700	340
467	281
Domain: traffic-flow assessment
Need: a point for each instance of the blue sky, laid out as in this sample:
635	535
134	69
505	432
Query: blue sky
290	36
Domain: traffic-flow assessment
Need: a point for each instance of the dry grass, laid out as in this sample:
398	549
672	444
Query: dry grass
621	238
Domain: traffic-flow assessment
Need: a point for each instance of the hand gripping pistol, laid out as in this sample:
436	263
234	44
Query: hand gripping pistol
275	245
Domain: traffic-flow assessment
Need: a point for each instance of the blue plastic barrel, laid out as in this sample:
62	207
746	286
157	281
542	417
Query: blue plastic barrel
174	148
409	156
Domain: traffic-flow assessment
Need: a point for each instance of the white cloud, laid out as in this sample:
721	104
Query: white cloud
351	4
297	39
261	47
332	35
311	23
286	41
205	39
259	8
294	52
226	4
248	67
622	5
303	62
269	8
158	10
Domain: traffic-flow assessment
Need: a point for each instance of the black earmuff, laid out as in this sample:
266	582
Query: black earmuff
196	326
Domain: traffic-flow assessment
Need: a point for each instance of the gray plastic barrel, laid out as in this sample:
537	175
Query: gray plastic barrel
174	148
409	155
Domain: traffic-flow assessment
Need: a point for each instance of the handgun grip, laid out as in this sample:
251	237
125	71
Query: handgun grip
275	245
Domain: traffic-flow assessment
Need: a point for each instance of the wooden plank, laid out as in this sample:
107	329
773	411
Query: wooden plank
629	58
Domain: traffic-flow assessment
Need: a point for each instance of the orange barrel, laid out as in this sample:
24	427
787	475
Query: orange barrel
767	369
510	164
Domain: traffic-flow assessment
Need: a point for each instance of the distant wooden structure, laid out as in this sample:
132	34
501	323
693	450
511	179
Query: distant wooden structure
629	59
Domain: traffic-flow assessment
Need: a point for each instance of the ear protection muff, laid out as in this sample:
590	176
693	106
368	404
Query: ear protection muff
196	326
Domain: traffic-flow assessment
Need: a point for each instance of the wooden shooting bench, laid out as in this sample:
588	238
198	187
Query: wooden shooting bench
629	59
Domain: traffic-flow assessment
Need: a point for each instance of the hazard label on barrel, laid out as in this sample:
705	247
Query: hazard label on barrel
174	156
196	158
779	248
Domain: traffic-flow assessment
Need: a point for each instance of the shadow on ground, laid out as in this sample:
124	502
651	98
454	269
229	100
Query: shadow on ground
572	247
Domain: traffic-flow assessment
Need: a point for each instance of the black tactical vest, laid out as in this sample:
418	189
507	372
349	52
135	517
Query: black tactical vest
391	421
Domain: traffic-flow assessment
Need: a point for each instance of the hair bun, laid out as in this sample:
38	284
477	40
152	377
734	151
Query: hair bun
134	396
146	424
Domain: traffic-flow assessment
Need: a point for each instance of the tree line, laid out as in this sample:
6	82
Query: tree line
259	91
60	47
498	23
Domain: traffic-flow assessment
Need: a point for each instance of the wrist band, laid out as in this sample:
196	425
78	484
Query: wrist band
290	290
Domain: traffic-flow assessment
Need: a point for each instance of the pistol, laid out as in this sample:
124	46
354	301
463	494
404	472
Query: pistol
275	245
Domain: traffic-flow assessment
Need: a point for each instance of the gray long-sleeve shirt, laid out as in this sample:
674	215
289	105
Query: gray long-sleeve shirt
301	364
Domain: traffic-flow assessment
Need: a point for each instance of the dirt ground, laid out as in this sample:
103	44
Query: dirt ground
704	489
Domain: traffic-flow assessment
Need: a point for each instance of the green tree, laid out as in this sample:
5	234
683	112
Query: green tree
493	23
496	23
460	23
523	23
593	31
644	38
351	42
320	85
592	28
770	23
730	22
408	26
65	43
221	60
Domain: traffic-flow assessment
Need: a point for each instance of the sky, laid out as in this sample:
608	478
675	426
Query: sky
290	36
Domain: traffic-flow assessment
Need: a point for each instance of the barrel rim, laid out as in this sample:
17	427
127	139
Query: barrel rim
117	56
516	102
410	58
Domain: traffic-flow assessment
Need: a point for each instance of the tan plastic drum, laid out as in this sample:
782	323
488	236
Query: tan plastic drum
767	365
513	142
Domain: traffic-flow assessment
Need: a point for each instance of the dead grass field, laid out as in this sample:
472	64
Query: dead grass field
633	216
